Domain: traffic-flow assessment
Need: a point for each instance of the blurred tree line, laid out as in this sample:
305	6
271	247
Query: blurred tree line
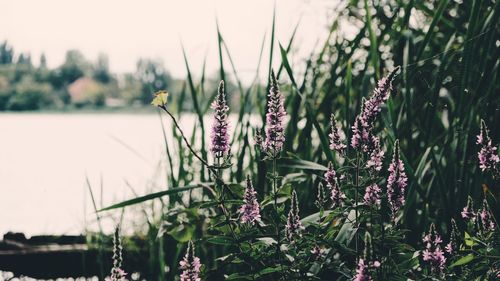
77	83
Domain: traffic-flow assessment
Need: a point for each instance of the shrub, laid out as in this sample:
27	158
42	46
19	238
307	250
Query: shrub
29	95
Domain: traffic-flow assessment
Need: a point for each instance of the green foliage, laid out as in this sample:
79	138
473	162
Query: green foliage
101	69
449	67
74	67
29	95
6	53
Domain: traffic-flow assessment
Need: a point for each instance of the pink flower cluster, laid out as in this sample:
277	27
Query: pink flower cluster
363	270
321	197
293	225
433	254
318	252
488	156
372	195
396	182
376	155
367	264
332	184
482	219
336	142
220	125
468	210
250	210
452	246
117	274
486	218
363	125
190	265
275	117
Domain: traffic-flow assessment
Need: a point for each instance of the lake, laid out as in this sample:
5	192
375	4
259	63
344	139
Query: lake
45	159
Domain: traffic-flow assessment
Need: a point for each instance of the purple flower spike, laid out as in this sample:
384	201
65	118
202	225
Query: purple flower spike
275	117
372	195
220	125
370	109
396	183
250	210
453	245
190	265
363	270
293	224
433	254
488	156
336	141
468	212
332	184
357	130
376	155
258	140
117	274
487	224
367	264
321	197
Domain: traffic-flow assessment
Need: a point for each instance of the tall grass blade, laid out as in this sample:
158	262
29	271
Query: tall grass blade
151	196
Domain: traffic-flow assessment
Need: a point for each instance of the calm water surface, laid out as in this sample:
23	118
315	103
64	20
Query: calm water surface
45	159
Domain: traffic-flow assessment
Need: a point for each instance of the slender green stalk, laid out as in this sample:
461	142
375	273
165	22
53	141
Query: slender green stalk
224	210
176	124
356	195
167	150
275	195
101	233
275	191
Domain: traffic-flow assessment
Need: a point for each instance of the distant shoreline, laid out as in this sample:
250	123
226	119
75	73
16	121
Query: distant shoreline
129	110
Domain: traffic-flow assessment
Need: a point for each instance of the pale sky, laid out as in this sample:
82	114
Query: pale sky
127	30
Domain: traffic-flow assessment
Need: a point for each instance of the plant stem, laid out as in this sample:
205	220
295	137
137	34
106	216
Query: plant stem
220	191
356	205
382	242
275	195
216	172
185	139
221	201
218	180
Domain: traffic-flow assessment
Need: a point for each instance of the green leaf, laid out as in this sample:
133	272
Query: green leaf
182	233
151	196
220	240
309	111
347	231
301	164
267	240
463	260
468	240
430	32
373	39
210	204
314	218
315	268
226	257
269	270
286	64
269	200
237	276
